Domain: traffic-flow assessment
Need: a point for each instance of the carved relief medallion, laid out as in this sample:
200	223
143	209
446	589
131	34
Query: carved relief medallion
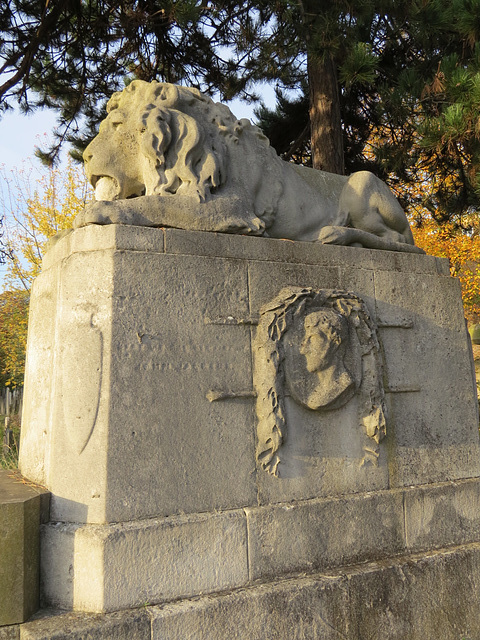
321	348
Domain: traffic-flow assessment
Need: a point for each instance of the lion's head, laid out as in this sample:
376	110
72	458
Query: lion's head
160	138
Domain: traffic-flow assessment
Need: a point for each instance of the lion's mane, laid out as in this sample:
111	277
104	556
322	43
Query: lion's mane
185	137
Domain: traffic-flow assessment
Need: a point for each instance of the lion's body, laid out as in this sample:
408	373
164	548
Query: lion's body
170	156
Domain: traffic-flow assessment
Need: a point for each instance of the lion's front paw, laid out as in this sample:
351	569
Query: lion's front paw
242	225
333	235
253	226
110	212
99	212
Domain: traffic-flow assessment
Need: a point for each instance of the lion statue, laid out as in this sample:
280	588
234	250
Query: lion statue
169	156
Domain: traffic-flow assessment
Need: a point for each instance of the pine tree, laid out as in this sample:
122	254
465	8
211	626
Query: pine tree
71	55
408	86
325	47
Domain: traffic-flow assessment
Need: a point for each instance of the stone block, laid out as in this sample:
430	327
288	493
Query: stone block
425	597
395	261
74	329
136	341
56	625
419	597
144	410
111	567
443	266
140	331
262	249
323	451
298	610
321	456
442	515
433	428
318	534
196	455
178	241
39	370
100	238
21	512
117	237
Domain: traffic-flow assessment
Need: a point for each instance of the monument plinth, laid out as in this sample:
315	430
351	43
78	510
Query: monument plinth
144	425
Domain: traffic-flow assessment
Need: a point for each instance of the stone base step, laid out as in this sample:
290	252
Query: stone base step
427	596
112	567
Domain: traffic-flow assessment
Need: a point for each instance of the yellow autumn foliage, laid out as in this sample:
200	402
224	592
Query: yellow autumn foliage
13	336
463	252
35	210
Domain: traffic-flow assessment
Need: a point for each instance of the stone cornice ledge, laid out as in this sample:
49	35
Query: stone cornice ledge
179	241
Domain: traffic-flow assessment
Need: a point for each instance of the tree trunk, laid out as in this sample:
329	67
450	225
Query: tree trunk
325	120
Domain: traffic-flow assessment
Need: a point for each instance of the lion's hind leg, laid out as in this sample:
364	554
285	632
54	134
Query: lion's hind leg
348	236
367	203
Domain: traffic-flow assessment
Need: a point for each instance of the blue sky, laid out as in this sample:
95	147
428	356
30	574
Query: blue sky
19	134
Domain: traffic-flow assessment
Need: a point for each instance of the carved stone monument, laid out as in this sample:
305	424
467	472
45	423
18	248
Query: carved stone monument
169	156
245	436
310	346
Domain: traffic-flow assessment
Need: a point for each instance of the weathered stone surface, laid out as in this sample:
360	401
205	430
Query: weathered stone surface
149	410
421	598
111	567
21	511
434	413
39	370
442	515
196	455
160	321
323	452
179	241
106	237
443	266
262	249
298	610
51	625
274	250
318	534
105	568
131	384
10	632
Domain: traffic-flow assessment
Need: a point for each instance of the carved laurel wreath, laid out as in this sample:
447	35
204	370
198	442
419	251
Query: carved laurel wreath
275	318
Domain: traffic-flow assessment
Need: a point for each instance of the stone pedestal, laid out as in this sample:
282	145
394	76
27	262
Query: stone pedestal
141	422
23	508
